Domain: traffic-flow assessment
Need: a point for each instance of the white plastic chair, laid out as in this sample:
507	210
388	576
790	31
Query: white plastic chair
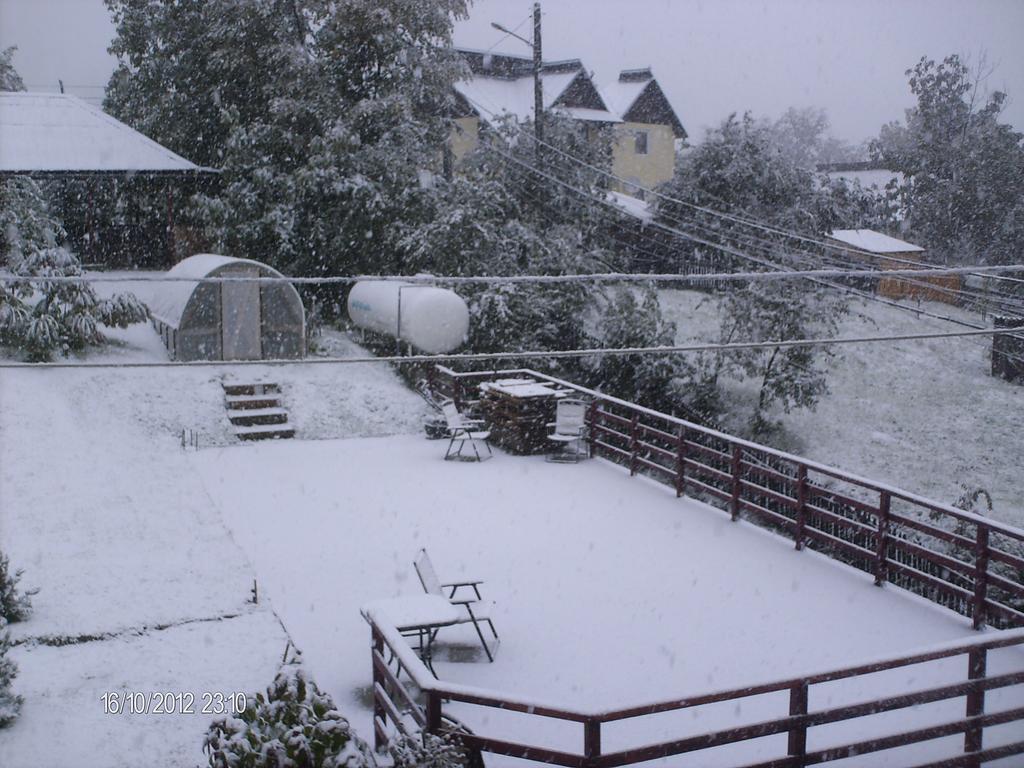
477	609
569	431
464	431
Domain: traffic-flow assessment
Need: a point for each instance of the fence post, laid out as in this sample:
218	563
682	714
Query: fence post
734	501
801	505
432	380
681	462
633	443
379	742
592	427
591	741
882	538
797	746
974	735
980	576
433	712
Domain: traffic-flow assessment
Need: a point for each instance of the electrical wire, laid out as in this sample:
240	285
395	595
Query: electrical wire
599	277
535	354
748	222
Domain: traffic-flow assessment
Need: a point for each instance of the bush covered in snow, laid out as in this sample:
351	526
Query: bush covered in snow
15	605
293	725
426	750
10	703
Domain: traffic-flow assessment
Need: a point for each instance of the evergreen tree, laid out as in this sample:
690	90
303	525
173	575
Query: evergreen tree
15	605
10	702
426	750
963	186
39	316
10	80
321	113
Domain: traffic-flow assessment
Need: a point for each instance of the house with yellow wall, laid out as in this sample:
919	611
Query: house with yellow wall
645	127
502	84
644	150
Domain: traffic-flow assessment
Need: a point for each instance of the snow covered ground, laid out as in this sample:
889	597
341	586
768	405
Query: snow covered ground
610	591
142	588
923	415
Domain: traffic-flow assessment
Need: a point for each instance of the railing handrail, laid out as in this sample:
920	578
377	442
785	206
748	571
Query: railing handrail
835	472
485	697
948	649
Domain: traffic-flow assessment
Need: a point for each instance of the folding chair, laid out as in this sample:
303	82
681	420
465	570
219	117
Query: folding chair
464	431
477	609
570	426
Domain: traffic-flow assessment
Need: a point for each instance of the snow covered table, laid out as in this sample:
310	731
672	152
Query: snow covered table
518	412
418	616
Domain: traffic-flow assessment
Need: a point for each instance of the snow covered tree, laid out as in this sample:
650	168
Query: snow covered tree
963	187
40	316
10	80
496	217
15	605
321	114
741	169
632	321
802	136
787	377
10	702
293	725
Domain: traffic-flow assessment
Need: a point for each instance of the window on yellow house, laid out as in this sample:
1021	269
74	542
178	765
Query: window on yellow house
641	142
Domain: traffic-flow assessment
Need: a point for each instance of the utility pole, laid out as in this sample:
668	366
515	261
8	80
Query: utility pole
538	86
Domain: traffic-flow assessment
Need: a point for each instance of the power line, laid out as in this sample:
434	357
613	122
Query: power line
600	277
560	353
737	253
737	219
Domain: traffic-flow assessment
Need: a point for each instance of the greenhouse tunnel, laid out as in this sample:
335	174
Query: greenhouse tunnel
245	320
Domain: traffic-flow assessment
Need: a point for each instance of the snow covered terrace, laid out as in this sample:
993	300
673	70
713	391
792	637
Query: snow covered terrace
611	591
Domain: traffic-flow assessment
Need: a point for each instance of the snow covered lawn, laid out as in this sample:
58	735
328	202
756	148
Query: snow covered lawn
141	584
63	721
923	415
610	590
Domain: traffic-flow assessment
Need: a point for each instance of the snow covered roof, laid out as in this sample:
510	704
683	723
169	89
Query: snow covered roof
875	242
637	97
503	83
631	205
57	134
168	305
621	95
492	96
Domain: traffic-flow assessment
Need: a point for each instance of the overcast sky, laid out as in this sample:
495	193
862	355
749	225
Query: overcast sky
712	57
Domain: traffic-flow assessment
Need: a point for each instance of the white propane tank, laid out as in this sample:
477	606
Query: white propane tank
434	320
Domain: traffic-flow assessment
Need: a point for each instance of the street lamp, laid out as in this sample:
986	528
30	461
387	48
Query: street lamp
538	88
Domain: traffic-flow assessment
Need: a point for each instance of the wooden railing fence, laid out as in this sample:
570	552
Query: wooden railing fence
396	709
960	560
